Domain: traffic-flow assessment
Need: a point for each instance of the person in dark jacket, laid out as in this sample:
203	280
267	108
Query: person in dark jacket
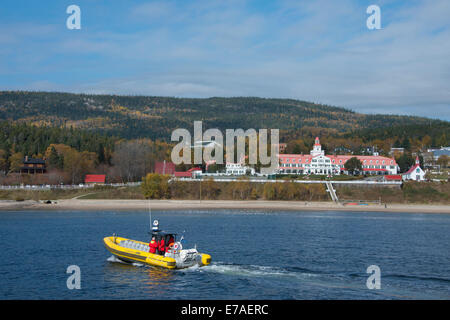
171	241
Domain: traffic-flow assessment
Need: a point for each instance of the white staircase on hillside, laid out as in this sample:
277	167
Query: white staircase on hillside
332	191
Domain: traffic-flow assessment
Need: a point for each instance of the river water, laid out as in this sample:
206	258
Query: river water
256	255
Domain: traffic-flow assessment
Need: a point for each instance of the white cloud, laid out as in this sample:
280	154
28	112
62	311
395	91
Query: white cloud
311	50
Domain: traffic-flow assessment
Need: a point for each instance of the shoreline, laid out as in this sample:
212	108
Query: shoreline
140	205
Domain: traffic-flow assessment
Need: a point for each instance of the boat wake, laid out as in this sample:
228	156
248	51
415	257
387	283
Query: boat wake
251	271
117	260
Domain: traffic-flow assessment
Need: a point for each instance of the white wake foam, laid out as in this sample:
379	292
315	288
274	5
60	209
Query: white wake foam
251	271
117	260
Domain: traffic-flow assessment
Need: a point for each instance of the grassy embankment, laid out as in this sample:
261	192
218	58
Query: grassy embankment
98	192
411	192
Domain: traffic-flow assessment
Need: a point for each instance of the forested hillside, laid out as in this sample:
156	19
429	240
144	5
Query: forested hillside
155	117
123	136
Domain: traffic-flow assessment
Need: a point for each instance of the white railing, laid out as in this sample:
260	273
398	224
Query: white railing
358	182
66	186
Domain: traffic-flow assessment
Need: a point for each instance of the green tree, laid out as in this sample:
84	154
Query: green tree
55	160
101	153
405	161
213	168
3	161
353	165
406	143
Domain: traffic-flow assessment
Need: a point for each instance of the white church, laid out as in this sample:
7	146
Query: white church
414	173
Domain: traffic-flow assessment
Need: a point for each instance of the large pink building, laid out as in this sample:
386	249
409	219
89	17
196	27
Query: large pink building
318	163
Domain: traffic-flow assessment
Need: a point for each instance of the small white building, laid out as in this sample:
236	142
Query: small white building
237	169
414	173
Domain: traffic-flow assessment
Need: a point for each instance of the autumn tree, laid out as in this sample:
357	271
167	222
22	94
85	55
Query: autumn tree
15	162
155	186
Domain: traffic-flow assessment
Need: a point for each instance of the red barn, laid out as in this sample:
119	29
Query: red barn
95	178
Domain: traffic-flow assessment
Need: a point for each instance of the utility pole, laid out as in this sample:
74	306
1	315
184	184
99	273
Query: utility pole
200	190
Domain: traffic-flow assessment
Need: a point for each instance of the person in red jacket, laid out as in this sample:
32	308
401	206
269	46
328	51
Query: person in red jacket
153	245
161	247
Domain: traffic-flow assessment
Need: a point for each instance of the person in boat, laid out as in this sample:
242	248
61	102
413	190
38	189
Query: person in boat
170	242
153	245
161	246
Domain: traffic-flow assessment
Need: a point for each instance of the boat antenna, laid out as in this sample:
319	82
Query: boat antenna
150	214
182	236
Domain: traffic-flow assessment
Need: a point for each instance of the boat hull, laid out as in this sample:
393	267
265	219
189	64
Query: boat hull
113	245
136	255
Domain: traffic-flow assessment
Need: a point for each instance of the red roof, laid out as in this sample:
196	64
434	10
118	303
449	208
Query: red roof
338	159
417	164
412	168
95	178
393	177
184	174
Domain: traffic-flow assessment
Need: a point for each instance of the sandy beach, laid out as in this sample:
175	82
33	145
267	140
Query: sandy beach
91	205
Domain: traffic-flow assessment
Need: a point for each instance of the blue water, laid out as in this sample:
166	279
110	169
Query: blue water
256	255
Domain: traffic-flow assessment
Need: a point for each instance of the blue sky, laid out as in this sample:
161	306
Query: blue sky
318	51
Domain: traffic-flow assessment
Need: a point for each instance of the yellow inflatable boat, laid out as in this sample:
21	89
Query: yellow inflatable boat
172	256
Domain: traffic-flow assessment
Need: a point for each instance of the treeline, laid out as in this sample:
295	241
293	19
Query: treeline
34	140
155	186
70	154
133	117
413	138
410	137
